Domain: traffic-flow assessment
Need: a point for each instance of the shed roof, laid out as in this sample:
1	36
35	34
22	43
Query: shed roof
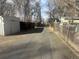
10	18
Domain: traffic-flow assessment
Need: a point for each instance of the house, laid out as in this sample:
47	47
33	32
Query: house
9	25
70	19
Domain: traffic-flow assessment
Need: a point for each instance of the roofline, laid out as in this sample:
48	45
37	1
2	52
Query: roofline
71	18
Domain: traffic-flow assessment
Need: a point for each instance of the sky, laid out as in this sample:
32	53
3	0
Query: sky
10	1
44	9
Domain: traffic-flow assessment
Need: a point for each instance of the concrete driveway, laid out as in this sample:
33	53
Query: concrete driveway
34	44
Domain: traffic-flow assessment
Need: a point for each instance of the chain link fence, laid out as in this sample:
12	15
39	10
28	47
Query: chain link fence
69	31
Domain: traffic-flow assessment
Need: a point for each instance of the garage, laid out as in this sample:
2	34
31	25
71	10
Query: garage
9	25
24	26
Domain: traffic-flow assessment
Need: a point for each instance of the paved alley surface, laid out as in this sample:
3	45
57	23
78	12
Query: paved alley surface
38	44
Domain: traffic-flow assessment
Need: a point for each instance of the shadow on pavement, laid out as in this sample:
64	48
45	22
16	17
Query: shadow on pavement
30	31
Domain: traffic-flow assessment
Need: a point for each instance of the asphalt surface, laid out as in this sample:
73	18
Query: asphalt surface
34	44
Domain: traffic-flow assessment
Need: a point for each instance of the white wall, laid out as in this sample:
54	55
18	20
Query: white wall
1	29
11	27
1	26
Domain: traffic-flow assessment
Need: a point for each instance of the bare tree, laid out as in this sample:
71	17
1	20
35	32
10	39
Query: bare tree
30	8
68	7
10	10
51	10
22	9
2	6
36	10
65	7
6	8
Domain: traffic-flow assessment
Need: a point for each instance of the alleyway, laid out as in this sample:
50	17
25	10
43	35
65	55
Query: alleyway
34	45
